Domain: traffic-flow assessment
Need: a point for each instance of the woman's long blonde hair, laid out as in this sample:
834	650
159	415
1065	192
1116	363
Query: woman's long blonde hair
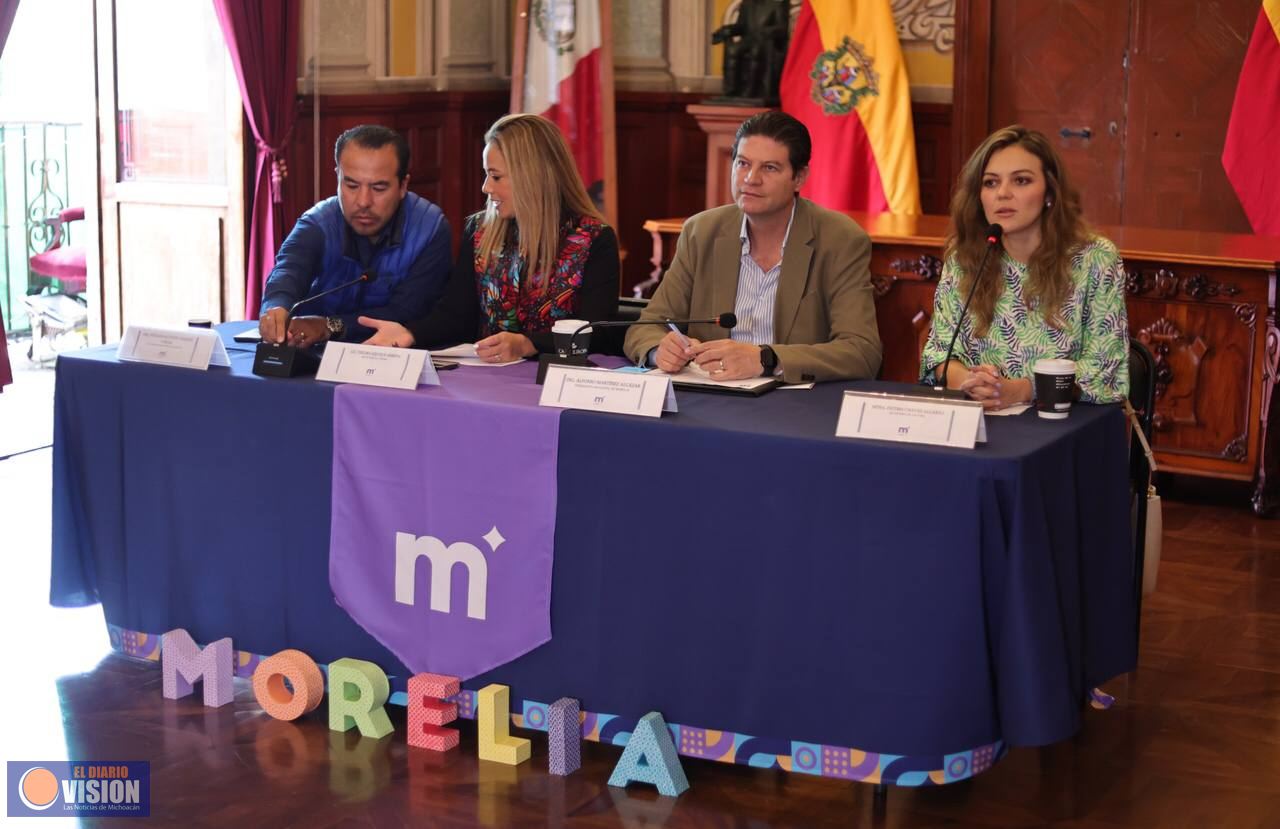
545	187
1062	231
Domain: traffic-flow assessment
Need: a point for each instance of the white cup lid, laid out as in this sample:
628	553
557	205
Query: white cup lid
569	326
1054	367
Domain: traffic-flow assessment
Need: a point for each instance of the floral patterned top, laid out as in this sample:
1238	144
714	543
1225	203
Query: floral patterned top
479	301
504	303
1094	333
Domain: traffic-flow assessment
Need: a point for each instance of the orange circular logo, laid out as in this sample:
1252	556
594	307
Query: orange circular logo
38	788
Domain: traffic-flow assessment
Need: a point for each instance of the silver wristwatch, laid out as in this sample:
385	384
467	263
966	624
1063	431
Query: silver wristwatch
336	327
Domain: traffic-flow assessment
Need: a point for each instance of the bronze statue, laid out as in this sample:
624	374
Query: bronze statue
755	48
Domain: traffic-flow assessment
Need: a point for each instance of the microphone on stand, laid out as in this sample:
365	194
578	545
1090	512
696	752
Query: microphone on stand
994	232
284	360
725	320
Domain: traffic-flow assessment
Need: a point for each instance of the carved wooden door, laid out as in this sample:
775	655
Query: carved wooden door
1059	66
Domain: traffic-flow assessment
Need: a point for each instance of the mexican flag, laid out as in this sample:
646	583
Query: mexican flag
564	80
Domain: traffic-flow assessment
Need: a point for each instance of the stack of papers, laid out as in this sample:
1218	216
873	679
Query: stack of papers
465	355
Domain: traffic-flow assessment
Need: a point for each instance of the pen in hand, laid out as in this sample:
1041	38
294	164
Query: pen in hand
683	339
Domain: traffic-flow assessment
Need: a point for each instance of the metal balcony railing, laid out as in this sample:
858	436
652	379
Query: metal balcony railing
37	180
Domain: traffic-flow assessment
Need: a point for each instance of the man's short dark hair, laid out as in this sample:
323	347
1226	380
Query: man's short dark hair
374	137
784	129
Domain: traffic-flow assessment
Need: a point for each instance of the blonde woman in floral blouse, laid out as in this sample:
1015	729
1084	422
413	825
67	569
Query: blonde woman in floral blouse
1052	290
539	252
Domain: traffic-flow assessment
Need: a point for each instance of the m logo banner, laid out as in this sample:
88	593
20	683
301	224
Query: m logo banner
443	522
79	788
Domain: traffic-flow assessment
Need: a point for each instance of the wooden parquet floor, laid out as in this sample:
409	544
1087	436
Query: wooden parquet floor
1193	740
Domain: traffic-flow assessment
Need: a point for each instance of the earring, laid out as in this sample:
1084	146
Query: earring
1048	202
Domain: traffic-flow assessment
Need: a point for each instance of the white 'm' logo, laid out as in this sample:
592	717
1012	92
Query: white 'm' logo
410	548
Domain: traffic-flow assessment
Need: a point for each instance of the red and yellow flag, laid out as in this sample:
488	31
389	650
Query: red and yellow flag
846	80
1251	156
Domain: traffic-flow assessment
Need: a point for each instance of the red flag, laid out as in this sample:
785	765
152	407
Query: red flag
1251	155
845	78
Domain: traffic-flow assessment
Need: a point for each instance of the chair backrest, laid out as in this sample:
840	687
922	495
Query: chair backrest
1142	385
629	308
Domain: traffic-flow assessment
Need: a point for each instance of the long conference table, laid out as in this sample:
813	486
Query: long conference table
856	609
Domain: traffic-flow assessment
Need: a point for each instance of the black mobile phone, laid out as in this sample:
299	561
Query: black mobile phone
442	365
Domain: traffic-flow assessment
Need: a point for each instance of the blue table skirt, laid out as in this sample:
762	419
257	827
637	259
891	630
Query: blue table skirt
732	566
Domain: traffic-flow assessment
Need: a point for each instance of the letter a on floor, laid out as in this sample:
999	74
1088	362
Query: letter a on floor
650	757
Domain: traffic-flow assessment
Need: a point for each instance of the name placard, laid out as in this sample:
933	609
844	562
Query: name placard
196	348
911	419
376	365
602	390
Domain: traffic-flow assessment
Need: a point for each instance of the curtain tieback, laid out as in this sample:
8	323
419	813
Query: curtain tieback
279	169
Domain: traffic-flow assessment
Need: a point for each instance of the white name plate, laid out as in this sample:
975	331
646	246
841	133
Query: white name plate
196	348
603	390
910	419
376	365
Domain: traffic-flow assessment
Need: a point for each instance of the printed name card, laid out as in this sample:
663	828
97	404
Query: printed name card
911	419
603	390
376	365
196	348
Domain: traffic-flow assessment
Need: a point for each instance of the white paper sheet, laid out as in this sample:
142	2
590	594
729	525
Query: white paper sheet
465	355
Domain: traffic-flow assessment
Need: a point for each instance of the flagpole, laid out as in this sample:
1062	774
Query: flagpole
607	113
518	57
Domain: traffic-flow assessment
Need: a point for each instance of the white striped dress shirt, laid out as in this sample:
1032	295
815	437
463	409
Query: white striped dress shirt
757	291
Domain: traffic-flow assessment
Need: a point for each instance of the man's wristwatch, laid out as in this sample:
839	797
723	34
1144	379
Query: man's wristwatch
336	327
769	360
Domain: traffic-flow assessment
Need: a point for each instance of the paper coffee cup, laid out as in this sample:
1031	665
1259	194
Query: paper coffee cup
1055	382
566	344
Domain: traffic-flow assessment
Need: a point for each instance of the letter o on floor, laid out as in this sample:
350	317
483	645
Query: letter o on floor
274	696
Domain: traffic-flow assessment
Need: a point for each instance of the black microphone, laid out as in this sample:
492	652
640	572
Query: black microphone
284	360
364	277
994	232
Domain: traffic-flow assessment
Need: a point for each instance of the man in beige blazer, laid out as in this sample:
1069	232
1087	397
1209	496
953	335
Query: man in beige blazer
795	275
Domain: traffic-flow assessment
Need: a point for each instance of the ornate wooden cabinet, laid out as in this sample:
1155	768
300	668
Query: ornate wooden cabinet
1204	303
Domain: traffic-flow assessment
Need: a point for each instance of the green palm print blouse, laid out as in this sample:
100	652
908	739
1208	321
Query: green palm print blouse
1094	333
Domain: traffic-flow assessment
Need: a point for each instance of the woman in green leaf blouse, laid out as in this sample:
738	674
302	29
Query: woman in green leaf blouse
1053	289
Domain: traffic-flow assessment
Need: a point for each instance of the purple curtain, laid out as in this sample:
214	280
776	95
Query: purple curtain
262	37
8	8
6	372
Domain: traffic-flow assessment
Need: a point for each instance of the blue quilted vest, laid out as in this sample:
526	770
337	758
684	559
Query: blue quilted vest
419	220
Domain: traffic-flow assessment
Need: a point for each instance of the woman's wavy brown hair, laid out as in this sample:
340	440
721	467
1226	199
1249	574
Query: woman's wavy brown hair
1062	230
545	187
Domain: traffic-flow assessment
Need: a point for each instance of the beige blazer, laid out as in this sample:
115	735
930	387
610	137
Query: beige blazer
824	312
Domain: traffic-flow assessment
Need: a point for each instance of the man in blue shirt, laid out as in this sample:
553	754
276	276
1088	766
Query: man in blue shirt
374	226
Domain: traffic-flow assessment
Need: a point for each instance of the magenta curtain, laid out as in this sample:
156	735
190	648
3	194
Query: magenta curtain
6	372
262	37
8	8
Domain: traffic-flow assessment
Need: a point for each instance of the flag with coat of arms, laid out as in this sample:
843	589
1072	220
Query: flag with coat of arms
846	79
564	72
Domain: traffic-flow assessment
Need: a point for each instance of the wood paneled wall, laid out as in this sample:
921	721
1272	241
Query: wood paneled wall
445	131
1152	81
661	155
661	170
